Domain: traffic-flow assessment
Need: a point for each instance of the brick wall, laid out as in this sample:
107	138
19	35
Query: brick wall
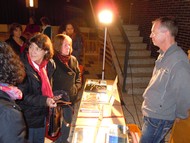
144	11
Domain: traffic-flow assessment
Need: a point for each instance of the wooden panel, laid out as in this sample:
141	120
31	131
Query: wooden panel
4	28
91	49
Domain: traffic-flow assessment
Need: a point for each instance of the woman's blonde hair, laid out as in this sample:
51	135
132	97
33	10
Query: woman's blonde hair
58	42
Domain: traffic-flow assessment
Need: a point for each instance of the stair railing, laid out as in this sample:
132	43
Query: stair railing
126	40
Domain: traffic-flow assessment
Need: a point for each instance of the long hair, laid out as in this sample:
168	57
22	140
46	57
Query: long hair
63	26
11	68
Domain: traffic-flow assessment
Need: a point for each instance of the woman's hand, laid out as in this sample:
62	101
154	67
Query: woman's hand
51	102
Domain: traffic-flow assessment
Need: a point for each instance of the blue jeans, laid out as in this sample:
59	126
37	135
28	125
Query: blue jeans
36	135
155	130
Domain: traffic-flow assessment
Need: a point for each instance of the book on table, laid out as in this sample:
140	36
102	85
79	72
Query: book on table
97	88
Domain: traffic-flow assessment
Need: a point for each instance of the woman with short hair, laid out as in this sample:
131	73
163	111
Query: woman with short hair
38	95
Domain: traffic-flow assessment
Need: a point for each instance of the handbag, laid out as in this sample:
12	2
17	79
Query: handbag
55	118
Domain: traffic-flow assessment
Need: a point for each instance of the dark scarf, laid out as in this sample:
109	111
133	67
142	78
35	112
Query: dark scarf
63	59
46	88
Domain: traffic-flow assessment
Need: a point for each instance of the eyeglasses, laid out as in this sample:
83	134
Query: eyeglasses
33	46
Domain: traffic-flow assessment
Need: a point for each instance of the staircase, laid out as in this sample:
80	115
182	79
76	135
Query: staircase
140	64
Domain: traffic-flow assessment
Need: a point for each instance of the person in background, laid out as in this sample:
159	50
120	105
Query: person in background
73	32
67	77
16	40
38	95
13	128
46	27
167	96
31	28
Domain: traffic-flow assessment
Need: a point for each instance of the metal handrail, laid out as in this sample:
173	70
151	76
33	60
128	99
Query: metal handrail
126	40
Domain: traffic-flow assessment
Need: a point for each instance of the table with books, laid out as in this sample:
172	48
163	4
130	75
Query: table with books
100	117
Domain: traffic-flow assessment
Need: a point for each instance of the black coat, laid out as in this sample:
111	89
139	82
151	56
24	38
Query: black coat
67	78
34	103
16	47
13	129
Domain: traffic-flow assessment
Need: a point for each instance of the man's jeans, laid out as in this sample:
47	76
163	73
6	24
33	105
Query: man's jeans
155	130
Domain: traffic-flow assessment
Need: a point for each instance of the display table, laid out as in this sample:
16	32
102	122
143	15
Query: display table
98	111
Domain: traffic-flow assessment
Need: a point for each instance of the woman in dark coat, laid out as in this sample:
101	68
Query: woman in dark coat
67	76
73	32
38	95
16	40
13	128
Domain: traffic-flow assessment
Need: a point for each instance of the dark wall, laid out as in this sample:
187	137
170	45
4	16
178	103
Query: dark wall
13	11
57	11
144	11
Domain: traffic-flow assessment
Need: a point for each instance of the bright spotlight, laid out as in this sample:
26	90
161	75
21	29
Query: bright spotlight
105	16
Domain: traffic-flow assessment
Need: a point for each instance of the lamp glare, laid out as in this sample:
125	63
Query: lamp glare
31	3
105	16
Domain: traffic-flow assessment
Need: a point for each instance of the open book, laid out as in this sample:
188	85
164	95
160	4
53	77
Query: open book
95	88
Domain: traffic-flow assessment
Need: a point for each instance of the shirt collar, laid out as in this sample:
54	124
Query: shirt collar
170	50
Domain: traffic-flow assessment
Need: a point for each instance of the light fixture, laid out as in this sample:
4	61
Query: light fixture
105	17
32	3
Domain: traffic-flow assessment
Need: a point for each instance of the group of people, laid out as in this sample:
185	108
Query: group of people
46	69
35	72
18	36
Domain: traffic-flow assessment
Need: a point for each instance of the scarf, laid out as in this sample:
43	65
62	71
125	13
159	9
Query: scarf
12	91
63	59
22	48
41	70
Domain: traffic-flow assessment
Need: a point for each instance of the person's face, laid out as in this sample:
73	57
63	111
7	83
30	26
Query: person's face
69	29
36	54
31	21
66	47
158	34
17	32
